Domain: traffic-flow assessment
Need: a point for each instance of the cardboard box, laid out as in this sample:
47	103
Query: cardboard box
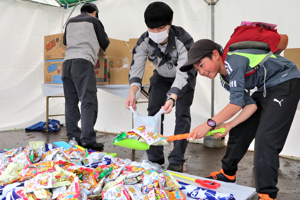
115	56
293	55
101	73
54	47
119	76
53	71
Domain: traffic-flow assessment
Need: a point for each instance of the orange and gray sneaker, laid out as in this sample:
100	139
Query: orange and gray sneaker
264	197
221	176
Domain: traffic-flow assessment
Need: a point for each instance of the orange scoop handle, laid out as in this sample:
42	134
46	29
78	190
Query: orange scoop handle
177	137
185	135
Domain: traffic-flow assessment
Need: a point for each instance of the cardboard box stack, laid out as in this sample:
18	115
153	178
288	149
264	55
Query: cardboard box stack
112	66
293	55
54	53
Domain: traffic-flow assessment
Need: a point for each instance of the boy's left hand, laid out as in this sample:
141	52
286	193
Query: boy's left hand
199	132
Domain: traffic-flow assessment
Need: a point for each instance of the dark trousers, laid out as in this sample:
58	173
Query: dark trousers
79	83
270	126
159	86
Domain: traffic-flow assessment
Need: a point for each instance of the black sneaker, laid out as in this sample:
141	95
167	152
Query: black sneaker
160	162
175	167
221	176
96	146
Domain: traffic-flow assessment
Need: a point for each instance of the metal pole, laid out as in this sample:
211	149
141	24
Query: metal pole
210	141
212	80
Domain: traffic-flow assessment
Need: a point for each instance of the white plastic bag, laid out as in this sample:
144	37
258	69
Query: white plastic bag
152	123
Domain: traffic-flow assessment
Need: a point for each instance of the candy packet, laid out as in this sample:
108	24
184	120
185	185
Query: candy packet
94	157
62	177
99	187
134	191
176	194
12	152
10	174
72	192
21	158
116	192
50	154
43	194
116	172
148	137
171	183
41	181
149	196
44	167
27	173
3	162
161	195
58	191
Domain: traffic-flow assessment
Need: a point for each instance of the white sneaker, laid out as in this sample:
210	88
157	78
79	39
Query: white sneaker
73	142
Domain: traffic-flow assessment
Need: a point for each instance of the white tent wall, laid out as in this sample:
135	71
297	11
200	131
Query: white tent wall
25	24
23	27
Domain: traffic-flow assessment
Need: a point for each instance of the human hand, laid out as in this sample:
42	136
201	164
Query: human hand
227	127
130	101
199	132
168	106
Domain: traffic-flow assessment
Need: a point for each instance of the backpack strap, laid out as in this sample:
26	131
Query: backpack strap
259	64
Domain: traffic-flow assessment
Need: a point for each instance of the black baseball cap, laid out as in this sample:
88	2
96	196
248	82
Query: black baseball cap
89	8
198	50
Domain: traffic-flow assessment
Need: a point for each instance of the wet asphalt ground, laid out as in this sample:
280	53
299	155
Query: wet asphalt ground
200	160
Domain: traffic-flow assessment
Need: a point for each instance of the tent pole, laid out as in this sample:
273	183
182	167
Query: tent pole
210	141
212	80
69	16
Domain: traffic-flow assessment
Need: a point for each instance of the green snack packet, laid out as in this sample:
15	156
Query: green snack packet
120	137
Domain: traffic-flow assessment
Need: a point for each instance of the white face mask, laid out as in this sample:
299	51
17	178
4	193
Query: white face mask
159	37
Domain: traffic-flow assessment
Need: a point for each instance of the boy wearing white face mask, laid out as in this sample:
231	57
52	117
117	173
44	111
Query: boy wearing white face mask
166	46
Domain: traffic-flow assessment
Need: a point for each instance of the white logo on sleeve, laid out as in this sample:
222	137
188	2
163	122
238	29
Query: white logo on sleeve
232	84
228	68
279	102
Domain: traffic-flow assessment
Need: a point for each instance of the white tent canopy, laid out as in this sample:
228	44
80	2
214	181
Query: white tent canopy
25	23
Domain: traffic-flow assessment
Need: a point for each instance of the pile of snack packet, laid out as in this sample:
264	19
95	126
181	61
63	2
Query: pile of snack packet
142	134
44	171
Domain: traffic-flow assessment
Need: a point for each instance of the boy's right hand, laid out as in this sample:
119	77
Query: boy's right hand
130	101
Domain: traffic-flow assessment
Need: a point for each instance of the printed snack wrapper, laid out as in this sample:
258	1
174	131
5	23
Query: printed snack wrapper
43	194
12	152
98	188
44	167
149	196
116	192
3	162
176	194
51	153
27	173
21	158
73	191
10	174
134	191
62	177
58	191
116	172
195	192
41	181
161	195
171	183
147	135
